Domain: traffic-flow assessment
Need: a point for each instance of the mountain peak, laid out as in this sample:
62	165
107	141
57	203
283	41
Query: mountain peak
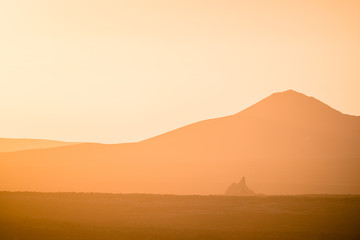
291	105
291	91
291	94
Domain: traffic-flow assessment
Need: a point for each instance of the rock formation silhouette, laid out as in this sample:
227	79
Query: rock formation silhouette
239	189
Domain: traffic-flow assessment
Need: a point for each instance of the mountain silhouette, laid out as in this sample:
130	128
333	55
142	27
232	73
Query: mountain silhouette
239	189
288	143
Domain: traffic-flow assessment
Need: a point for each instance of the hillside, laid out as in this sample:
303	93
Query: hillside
288	143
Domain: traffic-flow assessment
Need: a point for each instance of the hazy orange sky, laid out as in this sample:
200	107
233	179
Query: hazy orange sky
118	71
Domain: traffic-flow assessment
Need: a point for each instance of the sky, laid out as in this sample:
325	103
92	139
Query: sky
121	71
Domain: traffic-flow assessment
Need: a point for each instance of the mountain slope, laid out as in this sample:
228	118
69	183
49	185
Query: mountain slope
287	143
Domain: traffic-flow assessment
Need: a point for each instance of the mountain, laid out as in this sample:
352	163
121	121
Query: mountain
288	143
19	144
239	189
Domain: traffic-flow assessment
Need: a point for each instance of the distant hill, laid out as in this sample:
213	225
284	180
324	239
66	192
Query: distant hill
19	144
288	143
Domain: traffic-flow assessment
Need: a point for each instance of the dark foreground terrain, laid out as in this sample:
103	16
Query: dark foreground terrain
138	216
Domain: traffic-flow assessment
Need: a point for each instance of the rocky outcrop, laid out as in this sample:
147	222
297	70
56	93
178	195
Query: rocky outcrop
239	189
